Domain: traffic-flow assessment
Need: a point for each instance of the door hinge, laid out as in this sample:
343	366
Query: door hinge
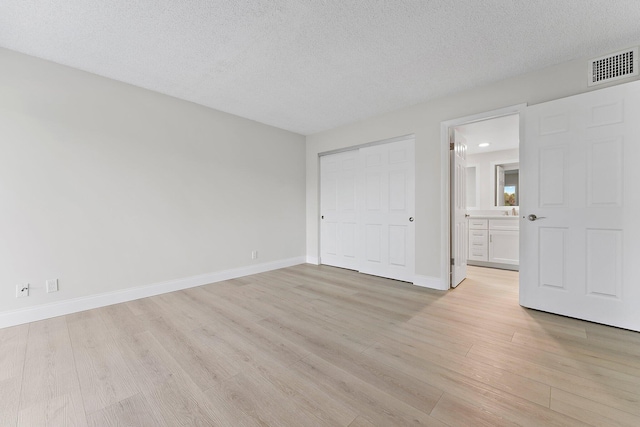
453	261
452	145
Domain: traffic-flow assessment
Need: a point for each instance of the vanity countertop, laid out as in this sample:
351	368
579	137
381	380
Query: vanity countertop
494	217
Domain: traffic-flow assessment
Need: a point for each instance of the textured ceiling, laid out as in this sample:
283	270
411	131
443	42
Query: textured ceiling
311	65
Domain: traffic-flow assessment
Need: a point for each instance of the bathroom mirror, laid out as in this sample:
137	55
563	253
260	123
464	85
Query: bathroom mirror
507	184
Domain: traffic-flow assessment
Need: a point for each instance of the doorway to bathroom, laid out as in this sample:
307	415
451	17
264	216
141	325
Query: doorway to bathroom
484	191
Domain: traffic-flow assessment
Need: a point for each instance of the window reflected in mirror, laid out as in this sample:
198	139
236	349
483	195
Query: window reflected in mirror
507	184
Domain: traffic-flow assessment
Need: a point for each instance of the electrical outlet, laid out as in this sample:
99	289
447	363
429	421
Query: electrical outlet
22	290
52	285
254	254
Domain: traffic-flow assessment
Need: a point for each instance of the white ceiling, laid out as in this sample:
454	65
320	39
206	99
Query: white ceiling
306	65
502	133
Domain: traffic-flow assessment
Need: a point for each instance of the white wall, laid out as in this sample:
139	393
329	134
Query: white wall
485	164
424	121
106	186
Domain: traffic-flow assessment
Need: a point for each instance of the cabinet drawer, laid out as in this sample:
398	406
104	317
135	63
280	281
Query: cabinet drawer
504	224
478	235
478	253
478	244
478	224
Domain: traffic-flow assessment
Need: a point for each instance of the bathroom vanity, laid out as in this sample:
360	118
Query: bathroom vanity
494	241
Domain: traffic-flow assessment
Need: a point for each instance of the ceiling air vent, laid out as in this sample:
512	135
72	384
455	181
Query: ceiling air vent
613	67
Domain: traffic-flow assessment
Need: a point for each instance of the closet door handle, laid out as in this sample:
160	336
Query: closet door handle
410	219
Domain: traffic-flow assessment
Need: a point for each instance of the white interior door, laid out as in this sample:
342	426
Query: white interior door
580	177
387	232
339	209
459	228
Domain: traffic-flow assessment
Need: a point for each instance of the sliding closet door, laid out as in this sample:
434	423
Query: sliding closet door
339	210
387	205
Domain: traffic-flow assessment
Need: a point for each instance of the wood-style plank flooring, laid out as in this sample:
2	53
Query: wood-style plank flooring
320	346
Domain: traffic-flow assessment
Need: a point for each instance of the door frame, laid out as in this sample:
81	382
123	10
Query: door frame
445	189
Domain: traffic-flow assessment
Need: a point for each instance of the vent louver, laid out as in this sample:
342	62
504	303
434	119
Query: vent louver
615	66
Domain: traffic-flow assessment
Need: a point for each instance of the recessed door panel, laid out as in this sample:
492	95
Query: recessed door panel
330	237
373	159
606	114
552	176
399	155
373	237
604	173
349	239
373	196
604	263
398	245
398	191
552	247
329	194
347	194
553	123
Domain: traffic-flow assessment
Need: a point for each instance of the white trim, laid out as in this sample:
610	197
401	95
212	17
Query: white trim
445	258
368	144
313	260
46	311
430	282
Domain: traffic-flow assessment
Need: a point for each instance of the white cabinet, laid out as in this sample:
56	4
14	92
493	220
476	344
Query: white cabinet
478	224
504	224
503	247
494	242
478	248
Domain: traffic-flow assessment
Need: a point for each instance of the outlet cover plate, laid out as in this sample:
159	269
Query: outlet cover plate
52	285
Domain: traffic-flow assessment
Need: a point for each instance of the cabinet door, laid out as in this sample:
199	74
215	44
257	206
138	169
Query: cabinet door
504	247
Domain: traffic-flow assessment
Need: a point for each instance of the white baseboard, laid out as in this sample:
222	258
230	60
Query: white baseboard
46	311
430	282
313	260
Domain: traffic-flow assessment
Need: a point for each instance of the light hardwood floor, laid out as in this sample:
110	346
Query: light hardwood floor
320	346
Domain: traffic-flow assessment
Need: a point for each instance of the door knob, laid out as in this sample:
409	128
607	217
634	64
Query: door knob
410	219
533	217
